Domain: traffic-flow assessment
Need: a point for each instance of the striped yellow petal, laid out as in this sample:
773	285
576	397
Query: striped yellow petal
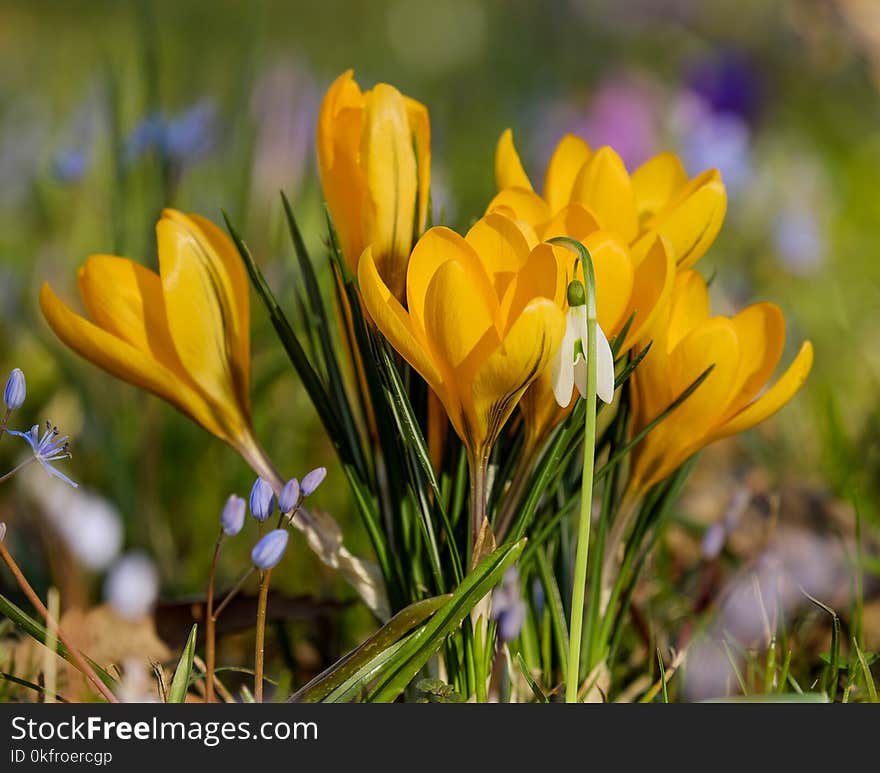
389	165
122	359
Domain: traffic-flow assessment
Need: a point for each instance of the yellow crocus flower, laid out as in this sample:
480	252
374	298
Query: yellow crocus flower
184	335
481	321
374	159
744	349
658	198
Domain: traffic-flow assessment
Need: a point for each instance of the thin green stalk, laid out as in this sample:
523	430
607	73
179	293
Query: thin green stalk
5	421
583	537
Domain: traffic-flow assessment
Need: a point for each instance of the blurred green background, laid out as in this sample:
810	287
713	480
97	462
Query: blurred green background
110	111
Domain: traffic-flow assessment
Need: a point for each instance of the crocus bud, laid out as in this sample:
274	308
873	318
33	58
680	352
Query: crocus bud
269	550
232	517
262	500
312	480
289	497
16	390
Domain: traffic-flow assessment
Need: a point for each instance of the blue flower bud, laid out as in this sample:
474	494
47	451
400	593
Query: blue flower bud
312	480
232	517
269	550
2	531
16	390
288	499
262	500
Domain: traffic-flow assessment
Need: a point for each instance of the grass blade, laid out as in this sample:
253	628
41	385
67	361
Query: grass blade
428	640
180	682
389	634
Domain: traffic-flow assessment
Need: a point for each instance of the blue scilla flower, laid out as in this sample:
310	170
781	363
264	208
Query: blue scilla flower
312	480
71	164
16	390
49	447
269	550
232	517
262	500
181	139
288	499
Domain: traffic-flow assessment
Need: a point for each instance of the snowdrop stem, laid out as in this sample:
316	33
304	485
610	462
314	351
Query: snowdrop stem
583	531
81	663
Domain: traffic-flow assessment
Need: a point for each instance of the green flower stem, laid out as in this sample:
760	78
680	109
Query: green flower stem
11	473
260	647
583	536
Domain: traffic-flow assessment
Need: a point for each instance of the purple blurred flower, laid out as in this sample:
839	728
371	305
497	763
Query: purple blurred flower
799	241
713	140
232	517
727	83
621	113
285	108
508	607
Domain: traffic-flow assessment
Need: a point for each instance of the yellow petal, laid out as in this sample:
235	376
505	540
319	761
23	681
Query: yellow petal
503	377
687	429
438	245
540	276
125	299
395	324
340	123
502	247
614	278
774	398
202	316
123	360
420	126
566	163
224	253
509	172
457	322
689	306
604	187
761	332
573	220
692	219
389	164
656	181
653	279
521	204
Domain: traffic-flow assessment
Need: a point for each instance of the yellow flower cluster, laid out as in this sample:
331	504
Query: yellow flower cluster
479	316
